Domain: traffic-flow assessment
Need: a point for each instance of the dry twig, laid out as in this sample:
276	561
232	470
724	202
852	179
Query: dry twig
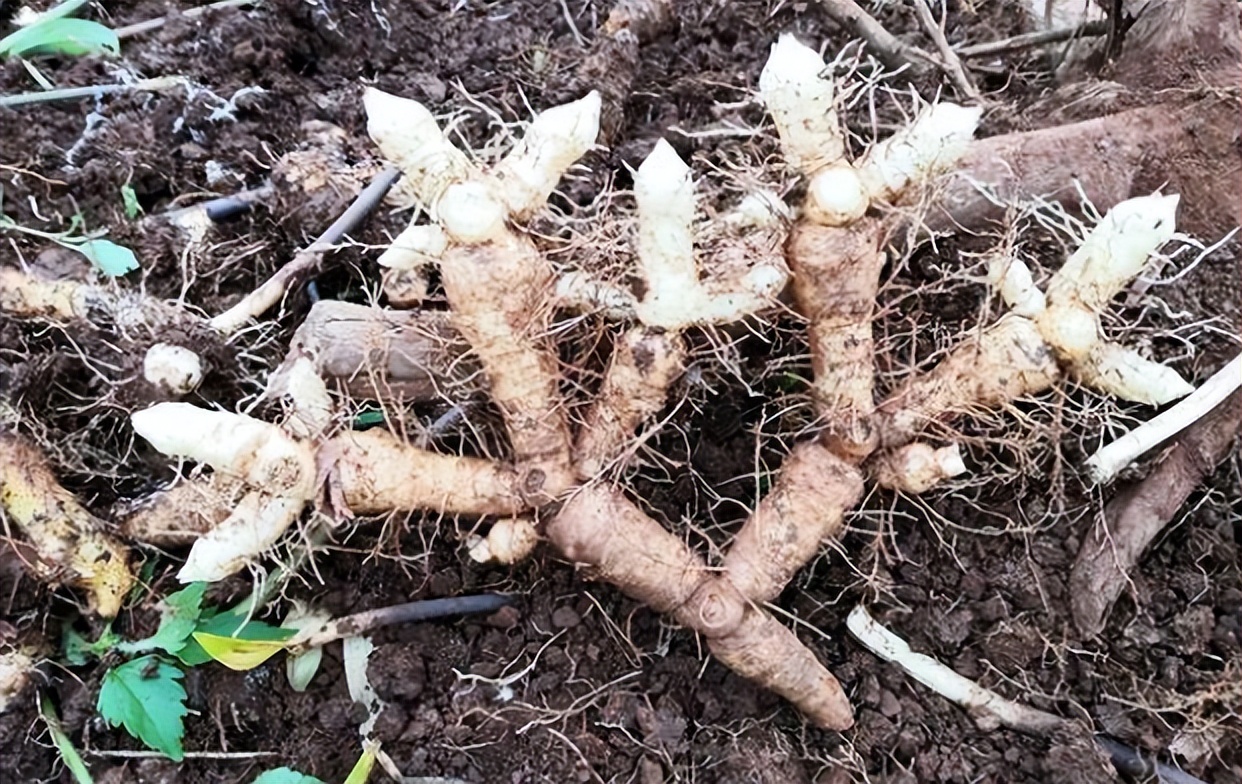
950	63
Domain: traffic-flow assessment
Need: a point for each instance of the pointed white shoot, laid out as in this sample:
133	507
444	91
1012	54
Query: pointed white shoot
800	101
664	191
407	134
234	444
1126	374
927	147
554	141
1115	251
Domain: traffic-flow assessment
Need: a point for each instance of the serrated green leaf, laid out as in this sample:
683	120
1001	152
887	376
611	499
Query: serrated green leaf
179	620
229	624
61	36
109	258
285	776
144	696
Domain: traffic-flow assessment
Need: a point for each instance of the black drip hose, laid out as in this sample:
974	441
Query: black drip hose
1132	762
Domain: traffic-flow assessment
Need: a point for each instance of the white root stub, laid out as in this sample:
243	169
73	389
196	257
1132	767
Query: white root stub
176	369
916	468
509	542
835	196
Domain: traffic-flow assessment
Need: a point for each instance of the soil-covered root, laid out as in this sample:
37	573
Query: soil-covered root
16	667
805	508
601	529
499	297
376	472
610	65
375	354
644	364
69	544
1002	363
179	515
1137	514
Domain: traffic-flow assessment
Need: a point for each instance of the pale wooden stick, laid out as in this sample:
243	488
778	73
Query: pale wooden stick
1107	462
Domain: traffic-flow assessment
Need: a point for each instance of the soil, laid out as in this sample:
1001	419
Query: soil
579	683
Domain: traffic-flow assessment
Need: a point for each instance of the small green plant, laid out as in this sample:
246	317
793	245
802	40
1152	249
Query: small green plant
55	33
130	199
359	774
109	258
143	694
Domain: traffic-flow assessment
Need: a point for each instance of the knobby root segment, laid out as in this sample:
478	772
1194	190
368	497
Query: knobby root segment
499	296
600	528
68	543
1138	513
804	509
1002	363
378	472
836	278
644	365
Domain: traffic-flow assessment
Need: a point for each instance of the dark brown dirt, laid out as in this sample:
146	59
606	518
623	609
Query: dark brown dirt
581	684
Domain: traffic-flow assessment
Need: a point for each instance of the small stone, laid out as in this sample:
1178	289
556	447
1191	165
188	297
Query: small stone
890	706
565	618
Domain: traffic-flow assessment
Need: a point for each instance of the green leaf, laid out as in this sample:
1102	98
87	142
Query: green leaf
229	624
109	258
145	697
368	419
68	754
79	650
285	776
361	772
61	36
179	620
130	199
